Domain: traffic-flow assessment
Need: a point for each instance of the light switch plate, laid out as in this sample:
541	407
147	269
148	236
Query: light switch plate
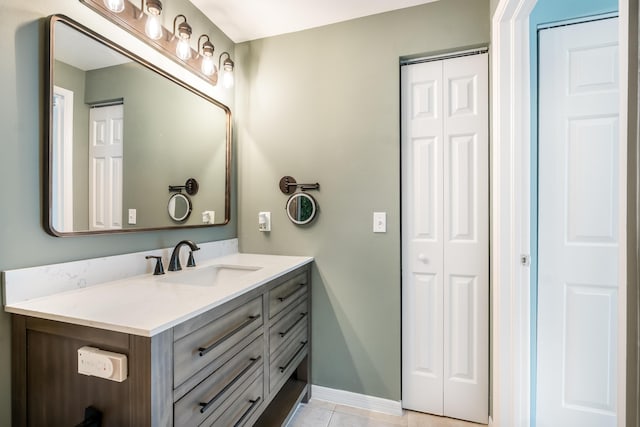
379	222
132	216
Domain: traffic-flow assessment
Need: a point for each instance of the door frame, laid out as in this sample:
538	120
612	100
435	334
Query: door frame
511	223
63	163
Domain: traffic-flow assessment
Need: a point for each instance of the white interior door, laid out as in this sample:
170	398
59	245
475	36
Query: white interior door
578	225
106	167
445	246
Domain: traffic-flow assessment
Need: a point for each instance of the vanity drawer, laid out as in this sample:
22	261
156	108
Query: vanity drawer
285	360
243	410
287	292
293	319
196	350
212	394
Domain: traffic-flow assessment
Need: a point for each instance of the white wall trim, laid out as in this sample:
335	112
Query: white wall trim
624	143
510	222
62	171
362	401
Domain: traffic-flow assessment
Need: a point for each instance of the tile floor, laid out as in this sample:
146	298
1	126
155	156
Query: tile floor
318	413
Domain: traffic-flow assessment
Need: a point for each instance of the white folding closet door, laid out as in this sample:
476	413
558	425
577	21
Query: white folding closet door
445	237
578	225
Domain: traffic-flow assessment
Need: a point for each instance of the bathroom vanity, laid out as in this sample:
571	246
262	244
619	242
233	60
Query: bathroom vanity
233	353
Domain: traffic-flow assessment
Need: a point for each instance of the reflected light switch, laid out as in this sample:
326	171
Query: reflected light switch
132	216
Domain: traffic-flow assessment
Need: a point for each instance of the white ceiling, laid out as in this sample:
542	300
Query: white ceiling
243	20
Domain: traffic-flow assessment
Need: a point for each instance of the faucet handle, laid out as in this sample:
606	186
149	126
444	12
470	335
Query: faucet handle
159	269
191	262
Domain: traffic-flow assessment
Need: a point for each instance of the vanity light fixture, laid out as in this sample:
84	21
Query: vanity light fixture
144	20
205	51
115	6
183	48
153	27
227	70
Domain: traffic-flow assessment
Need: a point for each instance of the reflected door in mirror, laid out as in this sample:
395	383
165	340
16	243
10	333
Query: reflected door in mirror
106	134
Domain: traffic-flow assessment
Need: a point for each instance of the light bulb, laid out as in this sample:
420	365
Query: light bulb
115	6
227	78
153	27
183	49
208	67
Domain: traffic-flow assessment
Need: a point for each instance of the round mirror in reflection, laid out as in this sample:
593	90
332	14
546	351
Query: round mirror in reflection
301	208
179	207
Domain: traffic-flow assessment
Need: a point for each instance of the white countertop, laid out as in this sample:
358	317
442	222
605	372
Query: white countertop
146	305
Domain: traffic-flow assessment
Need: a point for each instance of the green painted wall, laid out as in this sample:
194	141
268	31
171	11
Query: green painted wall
23	242
322	105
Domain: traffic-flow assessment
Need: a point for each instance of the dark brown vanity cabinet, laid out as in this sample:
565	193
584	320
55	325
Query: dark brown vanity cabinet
244	363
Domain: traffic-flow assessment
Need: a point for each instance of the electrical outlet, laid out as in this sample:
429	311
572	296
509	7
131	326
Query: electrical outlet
104	364
264	221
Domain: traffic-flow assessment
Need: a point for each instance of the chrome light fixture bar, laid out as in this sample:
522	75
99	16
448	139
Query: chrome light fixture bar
144	23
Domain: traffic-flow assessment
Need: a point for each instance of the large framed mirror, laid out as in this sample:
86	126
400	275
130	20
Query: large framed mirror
120	133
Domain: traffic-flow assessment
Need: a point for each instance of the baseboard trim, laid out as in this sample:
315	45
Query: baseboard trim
356	400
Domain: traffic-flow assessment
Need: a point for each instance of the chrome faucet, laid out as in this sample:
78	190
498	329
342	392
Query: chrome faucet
174	262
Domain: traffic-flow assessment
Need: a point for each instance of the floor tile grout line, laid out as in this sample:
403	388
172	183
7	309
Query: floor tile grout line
333	411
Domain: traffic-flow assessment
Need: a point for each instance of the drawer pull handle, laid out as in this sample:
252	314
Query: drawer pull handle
290	294
302	316
253	402
207	405
204	350
302	346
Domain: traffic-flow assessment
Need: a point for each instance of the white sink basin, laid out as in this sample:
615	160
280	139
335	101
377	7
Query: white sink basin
208	276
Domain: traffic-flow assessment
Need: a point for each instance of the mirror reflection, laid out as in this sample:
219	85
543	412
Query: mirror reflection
121	132
179	207
301	208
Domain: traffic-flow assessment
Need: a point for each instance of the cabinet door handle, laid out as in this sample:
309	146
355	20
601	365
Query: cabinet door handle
302	345
254	402
204	350
207	405
290	294
302	316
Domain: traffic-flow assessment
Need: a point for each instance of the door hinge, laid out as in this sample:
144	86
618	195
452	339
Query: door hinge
525	260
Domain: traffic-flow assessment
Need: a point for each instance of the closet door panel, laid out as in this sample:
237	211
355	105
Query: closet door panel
466	243
423	233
